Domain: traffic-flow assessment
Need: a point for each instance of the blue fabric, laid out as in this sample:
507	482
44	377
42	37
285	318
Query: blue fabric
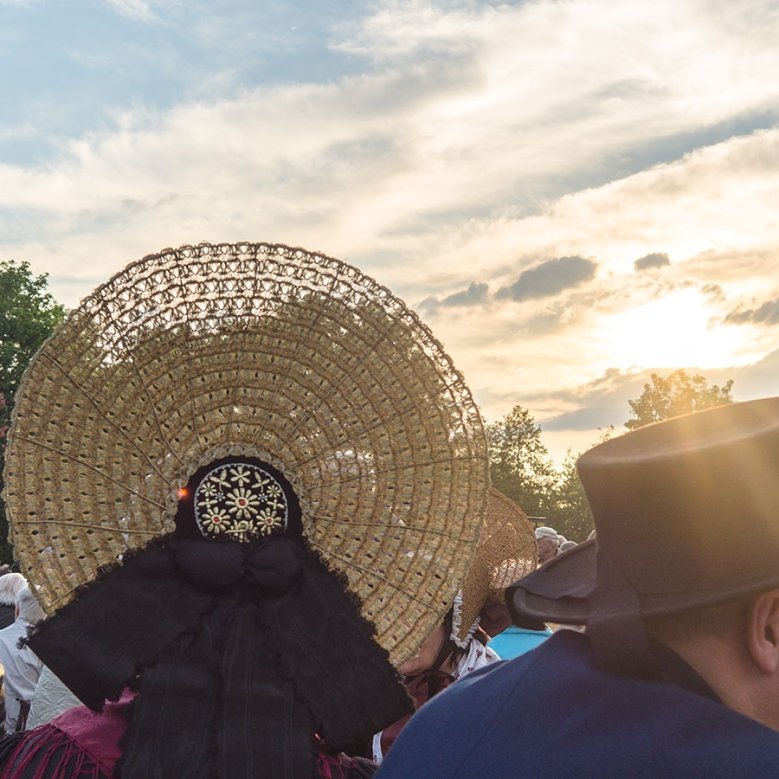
551	713
514	641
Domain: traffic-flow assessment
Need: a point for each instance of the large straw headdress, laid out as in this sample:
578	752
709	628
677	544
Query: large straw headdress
506	551
295	358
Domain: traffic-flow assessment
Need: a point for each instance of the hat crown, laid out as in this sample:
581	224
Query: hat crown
241	501
688	508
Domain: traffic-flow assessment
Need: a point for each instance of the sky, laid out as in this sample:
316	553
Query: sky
571	194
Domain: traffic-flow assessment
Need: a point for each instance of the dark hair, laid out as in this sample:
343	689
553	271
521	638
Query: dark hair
449	651
683	626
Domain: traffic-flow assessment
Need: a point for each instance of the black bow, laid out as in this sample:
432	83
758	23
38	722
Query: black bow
241	653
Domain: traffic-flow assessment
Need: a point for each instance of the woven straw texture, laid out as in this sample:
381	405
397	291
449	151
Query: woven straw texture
507	551
293	357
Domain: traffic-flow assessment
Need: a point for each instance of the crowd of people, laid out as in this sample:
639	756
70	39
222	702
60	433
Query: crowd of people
250	492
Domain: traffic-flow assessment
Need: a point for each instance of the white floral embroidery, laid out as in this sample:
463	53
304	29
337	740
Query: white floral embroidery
241	500
240	475
216	522
208	490
220	478
242	503
267	521
241	531
274	503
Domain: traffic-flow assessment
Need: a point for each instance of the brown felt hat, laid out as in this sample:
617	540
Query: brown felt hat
687	515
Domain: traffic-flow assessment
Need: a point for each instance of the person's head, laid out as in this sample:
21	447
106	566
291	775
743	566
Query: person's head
285	552
439	651
427	653
10	584
548	541
734	646
671	558
27	607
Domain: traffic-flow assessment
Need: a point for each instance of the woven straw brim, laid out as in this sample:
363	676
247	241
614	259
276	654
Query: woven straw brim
293	357
506	551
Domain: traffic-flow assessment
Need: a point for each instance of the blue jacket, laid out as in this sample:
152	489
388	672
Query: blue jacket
551	713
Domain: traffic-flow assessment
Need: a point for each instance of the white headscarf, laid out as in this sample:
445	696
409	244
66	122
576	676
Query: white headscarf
10	584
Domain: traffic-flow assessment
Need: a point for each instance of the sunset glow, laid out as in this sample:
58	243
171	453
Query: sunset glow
571	195
673	332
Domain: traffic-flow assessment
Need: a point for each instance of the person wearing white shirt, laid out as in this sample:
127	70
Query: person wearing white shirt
22	666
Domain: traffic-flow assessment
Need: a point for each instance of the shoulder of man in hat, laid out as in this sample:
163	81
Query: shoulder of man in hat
551	713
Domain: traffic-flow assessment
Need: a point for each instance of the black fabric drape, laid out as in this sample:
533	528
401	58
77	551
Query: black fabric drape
241	653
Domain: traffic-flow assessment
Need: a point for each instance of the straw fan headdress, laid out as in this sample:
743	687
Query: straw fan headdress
295	360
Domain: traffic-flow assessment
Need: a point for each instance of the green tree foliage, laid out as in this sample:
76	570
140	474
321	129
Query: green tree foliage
570	513
28	315
678	393
520	466
3	419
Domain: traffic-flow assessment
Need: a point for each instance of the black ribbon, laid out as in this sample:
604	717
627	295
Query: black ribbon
615	628
242	655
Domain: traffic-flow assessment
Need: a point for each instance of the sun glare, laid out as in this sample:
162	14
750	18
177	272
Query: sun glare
671	332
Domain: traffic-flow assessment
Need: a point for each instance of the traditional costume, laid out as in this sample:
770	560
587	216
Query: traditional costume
244	478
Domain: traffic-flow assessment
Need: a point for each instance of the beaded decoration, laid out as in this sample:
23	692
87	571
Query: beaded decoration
240	501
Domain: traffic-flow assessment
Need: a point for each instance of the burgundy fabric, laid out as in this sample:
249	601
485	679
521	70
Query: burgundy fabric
81	744
98	734
78	744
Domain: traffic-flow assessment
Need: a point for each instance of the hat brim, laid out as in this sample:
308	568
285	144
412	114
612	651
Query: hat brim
560	591
557	592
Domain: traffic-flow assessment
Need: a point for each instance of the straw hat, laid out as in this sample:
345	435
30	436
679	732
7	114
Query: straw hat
506	552
210	351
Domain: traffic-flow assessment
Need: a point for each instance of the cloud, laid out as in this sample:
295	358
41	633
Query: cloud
432	144
549	278
653	260
475	294
134	9
713	292
766	314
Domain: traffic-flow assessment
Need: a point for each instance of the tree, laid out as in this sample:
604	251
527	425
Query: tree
570	514
28	315
675	394
3	420
520	465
